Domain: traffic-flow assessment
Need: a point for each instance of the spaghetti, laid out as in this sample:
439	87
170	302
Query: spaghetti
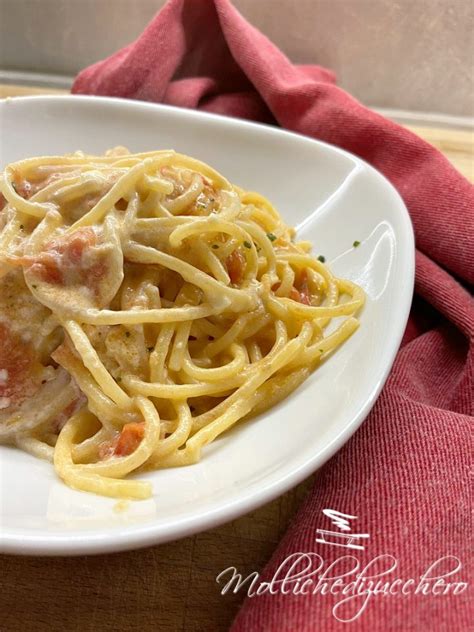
146	306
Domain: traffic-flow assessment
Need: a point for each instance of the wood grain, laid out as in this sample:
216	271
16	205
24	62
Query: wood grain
457	145
9	90
170	587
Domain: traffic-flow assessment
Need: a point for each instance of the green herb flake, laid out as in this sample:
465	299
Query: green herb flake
247	244
271	236
321	351
215	246
322	258
34	287
21	227
150	348
356	244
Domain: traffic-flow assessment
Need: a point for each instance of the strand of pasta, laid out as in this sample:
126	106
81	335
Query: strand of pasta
236	409
137	316
110	415
219	373
176	439
92	361
281	339
36	447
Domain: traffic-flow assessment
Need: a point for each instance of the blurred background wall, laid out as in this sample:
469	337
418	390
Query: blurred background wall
409	54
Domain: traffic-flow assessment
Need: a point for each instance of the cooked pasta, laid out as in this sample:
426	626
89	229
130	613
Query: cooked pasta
146	306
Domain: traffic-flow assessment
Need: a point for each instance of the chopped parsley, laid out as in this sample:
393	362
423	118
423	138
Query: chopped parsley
34	287
215	246
322	258
356	243
247	244
321	351
271	236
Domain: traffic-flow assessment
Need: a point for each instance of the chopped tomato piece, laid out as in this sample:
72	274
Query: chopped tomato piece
18	377
23	188
59	422
303	289
46	268
121	205
63	252
27	189
67	250
64	256
129	438
97	271
301	294
235	264
73	247
295	295
125	443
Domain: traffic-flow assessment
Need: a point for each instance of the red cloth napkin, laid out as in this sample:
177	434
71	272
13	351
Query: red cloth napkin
404	474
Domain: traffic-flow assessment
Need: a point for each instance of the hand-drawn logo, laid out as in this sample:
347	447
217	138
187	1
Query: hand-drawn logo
341	521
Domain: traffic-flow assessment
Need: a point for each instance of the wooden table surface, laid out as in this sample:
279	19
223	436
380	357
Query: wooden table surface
170	587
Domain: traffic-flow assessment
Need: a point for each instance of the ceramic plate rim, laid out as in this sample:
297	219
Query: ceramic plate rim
136	536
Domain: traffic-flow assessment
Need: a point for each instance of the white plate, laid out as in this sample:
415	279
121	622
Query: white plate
334	198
